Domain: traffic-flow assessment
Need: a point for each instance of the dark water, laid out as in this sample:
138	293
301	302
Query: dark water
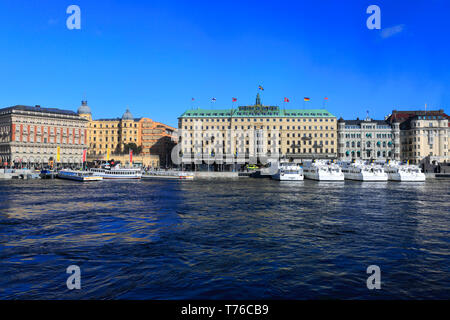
246	239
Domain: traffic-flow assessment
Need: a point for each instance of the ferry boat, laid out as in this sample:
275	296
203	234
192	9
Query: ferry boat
361	171
288	172
404	172
322	170
79	175
117	172
169	175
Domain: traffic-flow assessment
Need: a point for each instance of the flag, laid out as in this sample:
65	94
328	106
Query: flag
306	99
213	99
193	99
286	99
261	88
84	155
58	153
234	99
131	157
326	98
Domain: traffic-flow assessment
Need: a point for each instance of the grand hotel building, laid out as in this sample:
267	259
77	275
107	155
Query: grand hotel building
249	133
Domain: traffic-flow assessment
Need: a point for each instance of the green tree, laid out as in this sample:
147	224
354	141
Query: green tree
136	150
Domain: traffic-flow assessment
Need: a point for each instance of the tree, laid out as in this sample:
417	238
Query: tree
136	150
118	149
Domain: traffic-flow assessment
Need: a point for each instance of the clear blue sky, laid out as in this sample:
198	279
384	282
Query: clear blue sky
154	56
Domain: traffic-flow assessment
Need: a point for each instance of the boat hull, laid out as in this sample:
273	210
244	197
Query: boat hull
78	178
365	177
407	177
324	177
117	177
167	177
288	177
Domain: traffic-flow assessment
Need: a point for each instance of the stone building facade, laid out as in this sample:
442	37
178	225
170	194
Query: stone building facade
110	136
255	131
31	136
368	139
423	134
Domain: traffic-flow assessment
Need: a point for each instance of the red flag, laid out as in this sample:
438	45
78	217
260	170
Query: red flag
286	100
234	99
326	98
131	156
84	155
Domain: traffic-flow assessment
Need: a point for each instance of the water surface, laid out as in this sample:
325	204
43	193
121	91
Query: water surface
221	239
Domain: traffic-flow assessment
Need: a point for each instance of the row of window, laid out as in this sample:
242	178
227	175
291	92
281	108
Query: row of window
288	135
357	144
367	135
258	150
261	120
267	127
113	126
112	139
368	154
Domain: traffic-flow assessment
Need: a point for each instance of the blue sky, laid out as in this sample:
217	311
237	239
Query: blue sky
154	56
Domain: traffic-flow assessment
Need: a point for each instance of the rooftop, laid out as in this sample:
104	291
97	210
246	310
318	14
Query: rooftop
255	111
358	122
38	109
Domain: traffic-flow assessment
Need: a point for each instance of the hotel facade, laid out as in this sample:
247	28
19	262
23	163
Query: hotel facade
109	137
31	136
250	134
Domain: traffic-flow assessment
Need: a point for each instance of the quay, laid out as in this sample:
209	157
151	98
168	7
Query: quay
18	174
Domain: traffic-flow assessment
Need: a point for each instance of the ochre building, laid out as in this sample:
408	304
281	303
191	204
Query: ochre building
154	139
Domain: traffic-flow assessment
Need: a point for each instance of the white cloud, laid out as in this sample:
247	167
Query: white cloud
389	32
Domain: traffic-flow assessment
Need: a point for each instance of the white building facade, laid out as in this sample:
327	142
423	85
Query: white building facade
368	139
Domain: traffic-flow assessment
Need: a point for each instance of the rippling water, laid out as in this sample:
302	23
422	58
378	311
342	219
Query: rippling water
243	239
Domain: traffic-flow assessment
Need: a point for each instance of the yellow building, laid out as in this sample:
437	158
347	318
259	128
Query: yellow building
257	131
109	137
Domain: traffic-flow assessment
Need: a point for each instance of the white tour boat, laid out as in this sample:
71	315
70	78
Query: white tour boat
404	172
322	170
168	175
361	171
117	172
288	172
79	175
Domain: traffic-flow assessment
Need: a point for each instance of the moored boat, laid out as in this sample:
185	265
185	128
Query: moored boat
322	170
361	171
168	175
404	172
117	172
288	172
78	175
